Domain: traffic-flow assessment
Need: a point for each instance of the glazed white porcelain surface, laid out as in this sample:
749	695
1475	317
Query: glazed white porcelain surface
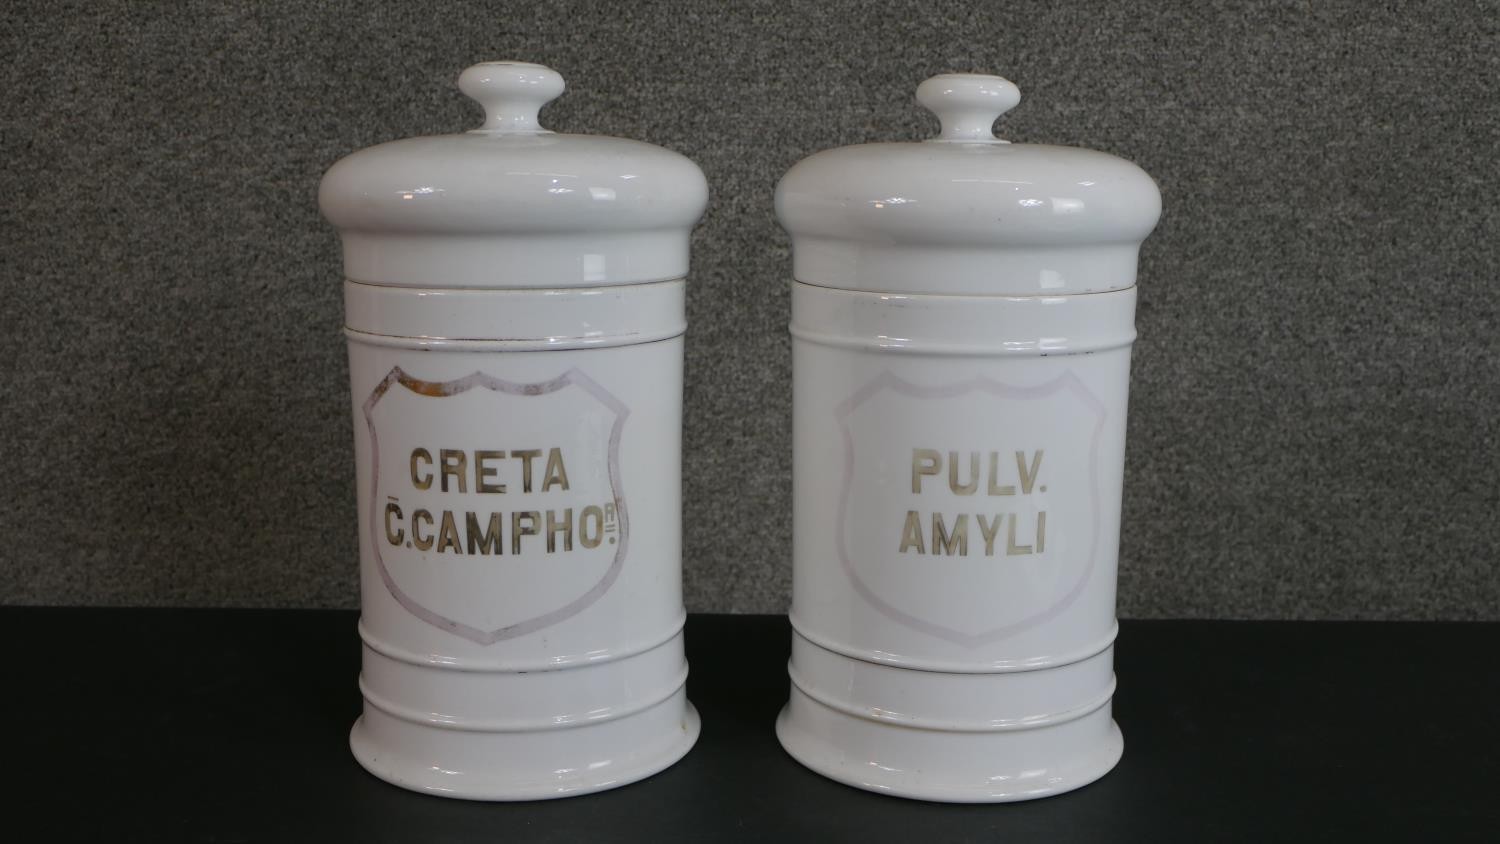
961	370
514	309
512	204
966	212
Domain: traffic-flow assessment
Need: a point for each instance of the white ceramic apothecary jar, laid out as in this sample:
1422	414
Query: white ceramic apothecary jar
962	315
514	311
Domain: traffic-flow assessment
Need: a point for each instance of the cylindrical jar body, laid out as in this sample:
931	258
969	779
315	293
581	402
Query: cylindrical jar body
958	466
519	523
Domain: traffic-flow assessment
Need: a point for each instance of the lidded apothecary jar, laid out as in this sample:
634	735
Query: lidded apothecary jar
514	312
962	314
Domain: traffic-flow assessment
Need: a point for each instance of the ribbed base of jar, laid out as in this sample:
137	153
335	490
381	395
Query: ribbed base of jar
514	765
948	767
951	737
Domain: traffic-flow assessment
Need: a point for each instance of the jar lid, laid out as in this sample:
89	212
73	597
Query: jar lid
512	204
966	212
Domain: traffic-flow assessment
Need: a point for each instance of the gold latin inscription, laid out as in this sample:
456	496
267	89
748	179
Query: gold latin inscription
944	534
531	529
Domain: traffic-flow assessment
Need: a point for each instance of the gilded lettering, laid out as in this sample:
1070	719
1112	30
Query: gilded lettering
1028	476
557	474
596	515
397	536
953	483
421	455
911	535
989	530
527	455
448	535
924	461
1011	548
486	540
533	523
482	472
994	487
955	544
565	527
452	463
422	543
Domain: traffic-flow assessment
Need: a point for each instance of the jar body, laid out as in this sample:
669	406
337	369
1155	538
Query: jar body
958	466
518	470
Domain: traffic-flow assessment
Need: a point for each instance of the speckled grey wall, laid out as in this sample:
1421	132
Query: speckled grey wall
1315	397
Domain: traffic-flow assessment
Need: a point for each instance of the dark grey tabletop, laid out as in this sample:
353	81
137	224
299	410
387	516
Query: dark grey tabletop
231	725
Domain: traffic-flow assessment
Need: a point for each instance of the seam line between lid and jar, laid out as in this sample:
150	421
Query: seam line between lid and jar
543	344
1027	349
515	319
937	324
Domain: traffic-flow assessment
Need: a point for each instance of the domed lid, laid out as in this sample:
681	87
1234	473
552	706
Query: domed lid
512	204
966	212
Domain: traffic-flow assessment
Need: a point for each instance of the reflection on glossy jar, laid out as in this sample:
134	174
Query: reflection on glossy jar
514	311
962	314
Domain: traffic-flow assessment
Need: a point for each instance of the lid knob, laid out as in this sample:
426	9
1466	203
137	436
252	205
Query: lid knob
512	93
968	104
